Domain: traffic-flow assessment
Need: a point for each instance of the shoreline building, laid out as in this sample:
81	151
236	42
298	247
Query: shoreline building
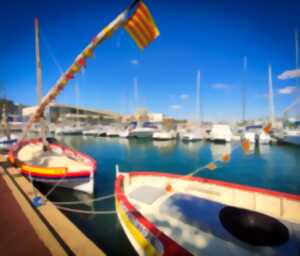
62	113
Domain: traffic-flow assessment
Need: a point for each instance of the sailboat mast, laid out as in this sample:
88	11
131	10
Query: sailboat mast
271	100
39	77
38	61
198	96
244	90
297	53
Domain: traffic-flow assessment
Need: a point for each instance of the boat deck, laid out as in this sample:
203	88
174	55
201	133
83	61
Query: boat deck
33	154
194	223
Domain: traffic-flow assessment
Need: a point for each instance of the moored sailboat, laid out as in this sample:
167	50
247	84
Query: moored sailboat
45	160
57	164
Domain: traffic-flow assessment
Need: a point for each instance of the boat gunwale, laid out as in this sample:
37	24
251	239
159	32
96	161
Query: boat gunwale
12	157
265	191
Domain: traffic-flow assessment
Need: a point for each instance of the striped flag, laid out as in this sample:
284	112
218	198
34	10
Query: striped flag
141	26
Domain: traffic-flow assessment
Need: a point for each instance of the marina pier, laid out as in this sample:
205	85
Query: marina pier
27	229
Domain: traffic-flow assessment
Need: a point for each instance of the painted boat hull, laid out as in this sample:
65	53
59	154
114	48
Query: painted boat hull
82	180
148	239
143	235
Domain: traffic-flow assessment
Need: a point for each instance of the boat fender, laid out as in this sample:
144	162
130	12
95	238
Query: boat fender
37	201
211	166
226	158
169	188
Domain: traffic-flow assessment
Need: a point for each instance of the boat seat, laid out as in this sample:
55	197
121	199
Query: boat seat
147	194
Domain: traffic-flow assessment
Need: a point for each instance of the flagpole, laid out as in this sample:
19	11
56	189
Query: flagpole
77	64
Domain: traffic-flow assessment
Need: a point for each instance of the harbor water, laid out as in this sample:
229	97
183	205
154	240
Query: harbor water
273	167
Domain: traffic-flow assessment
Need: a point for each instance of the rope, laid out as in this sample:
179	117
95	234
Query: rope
33	187
84	201
202	168
51	53
84	211
54	187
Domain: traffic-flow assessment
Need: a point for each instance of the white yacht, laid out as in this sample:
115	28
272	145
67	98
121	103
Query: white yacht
290	134
125	132
98	131
144	130
221	133
256	134
69	130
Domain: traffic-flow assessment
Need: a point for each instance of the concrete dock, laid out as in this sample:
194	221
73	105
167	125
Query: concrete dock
43	230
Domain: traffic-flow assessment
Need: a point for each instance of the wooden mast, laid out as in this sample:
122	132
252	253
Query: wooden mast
244	90
271	100
39	78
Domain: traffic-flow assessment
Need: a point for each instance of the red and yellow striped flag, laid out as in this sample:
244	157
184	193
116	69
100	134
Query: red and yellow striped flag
141	26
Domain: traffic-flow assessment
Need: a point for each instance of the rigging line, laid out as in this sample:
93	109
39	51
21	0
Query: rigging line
84	201
84	211
54	187
51	53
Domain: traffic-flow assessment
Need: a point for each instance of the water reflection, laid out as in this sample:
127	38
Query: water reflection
219	150
193	147
264	149
164	146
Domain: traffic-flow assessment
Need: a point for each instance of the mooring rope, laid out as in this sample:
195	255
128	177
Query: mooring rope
34	190
85	211
54	187
211	164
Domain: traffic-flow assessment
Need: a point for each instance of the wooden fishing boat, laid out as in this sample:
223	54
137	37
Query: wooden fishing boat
167	214
58	164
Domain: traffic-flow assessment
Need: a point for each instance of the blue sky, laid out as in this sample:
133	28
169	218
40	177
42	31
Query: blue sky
211	36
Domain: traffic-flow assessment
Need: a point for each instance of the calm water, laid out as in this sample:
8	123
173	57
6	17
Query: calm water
273	167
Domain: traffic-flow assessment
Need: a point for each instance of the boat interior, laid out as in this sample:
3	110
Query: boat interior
212	219
34	154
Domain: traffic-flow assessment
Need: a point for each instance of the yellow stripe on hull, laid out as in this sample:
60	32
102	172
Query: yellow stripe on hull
140	240
41	170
